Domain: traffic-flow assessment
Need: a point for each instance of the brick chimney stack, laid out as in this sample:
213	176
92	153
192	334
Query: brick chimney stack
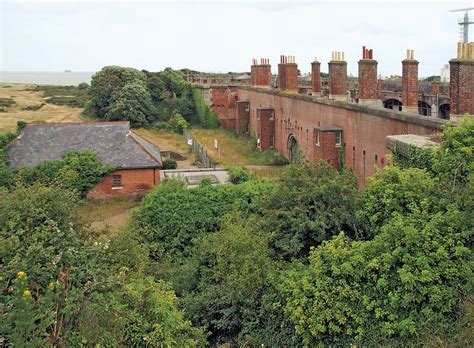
338	77
261	74
316	77
462	81
288	74
368	79
410	92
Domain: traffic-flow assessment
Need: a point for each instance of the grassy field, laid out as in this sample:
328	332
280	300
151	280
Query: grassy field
235	150
26	99
111	213
269	173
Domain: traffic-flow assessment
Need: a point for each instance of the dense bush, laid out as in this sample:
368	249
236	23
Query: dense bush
78	171
206	117
238	174
169	164
171	215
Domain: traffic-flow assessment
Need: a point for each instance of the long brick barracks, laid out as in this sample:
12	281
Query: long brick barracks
336	118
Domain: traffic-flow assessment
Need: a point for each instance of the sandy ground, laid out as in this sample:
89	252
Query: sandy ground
48	113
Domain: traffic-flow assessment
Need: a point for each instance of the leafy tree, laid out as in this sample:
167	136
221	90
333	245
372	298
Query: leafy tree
108	82
402	286
394	191
132	103
312	204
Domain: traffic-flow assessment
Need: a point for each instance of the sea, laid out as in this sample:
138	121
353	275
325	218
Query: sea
46	78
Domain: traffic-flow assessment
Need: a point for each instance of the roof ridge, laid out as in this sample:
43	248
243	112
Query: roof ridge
133	134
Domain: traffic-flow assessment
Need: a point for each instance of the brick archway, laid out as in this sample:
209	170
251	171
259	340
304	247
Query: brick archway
293	148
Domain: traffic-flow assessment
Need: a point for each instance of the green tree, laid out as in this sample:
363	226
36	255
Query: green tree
131	103
312	204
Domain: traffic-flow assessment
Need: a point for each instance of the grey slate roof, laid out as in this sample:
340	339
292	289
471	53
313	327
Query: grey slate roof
112	142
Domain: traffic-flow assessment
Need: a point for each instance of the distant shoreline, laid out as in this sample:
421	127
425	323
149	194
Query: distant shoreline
46	78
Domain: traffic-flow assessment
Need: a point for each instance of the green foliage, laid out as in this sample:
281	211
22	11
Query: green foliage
206	118
417	158
63	95
33	107
171	215
176	124
140	312
395	287
312	204
394	191
78	171
131	103
169	164
238	174
231	268
6	102
83	85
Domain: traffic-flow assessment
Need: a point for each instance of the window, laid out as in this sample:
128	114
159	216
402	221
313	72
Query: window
318	137
338	138
272	141
272	115
117	180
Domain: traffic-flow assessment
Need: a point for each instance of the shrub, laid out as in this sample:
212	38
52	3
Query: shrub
238	174
83	85
6	102
280	160
33	107
169	164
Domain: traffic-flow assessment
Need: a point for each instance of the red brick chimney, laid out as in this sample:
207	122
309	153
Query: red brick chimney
434	88
462	81
338	77
316	77
368	79
288	74
410	92
261	74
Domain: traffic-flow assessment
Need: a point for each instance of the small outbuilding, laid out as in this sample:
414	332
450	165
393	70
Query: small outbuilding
138	161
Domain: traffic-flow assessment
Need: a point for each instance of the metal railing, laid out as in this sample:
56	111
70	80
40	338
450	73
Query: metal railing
199	151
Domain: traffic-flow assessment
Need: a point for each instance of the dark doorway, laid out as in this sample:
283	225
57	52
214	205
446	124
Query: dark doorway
424	108
293	148
393	104
444	110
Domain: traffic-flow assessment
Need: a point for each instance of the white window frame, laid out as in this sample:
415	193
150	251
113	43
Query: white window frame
339	135
318	137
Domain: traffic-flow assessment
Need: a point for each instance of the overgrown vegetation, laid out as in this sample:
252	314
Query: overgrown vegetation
163	99
308	260
6	102
73	96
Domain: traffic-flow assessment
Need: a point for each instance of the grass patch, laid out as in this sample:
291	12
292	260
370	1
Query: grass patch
72	96
6	102
96	210
235	150
33	107
164	139
269	173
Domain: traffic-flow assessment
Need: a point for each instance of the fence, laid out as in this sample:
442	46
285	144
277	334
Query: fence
199	151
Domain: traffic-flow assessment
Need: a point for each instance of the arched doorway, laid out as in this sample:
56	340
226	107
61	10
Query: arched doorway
293	148
393	104
424	108
444	110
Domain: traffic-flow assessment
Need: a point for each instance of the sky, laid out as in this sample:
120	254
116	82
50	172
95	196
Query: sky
222	36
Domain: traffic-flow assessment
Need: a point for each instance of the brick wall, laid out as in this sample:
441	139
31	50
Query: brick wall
223	104
367	79
242	115
266	128
364	133
316	77
134	182
410	83
337	78
326	149
462	86
261	75
288	77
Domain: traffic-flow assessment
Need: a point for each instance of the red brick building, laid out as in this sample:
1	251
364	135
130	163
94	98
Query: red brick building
138	161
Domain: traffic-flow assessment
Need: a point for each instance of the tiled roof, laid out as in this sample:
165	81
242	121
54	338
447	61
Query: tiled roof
112	142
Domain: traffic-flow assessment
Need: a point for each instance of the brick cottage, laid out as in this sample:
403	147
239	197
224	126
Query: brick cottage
138	161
